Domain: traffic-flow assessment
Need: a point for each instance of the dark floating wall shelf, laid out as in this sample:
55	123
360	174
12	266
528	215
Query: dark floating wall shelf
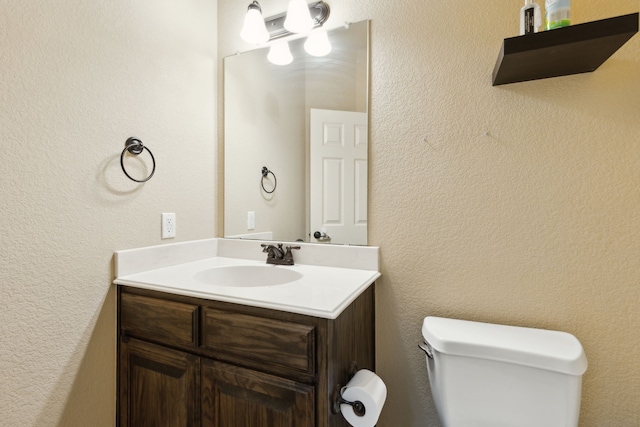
570	50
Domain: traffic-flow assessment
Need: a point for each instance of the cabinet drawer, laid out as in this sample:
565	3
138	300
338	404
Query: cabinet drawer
167	321
272	342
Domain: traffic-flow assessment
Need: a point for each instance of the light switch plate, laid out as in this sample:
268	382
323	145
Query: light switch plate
251	220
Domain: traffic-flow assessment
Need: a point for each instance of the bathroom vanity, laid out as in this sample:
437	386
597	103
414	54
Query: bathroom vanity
190	359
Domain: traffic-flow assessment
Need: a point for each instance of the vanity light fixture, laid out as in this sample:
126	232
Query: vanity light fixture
318	44
257	30
280	54
275	25
254	30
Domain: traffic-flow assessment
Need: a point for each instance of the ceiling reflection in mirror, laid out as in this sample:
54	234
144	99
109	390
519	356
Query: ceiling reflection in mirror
296	142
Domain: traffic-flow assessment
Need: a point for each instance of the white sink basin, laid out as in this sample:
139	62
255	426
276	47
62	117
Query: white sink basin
247	276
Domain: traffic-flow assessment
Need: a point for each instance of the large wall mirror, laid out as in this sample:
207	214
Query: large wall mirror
296	142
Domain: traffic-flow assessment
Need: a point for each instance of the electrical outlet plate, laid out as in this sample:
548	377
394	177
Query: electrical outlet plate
168	225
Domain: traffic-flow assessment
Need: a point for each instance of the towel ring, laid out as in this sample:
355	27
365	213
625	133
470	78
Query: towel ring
134	146
265	173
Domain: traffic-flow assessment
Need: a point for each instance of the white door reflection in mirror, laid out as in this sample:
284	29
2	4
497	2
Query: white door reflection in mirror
338	176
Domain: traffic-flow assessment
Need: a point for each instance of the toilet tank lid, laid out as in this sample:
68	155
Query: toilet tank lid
539	348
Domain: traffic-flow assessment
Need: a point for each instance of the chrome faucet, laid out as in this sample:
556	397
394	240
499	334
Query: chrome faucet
277	255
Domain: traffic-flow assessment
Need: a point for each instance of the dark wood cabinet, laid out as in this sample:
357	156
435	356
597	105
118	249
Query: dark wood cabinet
193	362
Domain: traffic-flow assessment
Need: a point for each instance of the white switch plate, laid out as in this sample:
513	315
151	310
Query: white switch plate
168	225
251	220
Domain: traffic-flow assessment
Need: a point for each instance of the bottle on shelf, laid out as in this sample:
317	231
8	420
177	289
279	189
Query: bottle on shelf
530	18
557	13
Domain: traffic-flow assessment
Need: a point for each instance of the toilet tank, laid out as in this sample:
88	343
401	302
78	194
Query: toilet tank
487	375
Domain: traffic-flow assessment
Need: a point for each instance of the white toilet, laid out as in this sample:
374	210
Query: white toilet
486	375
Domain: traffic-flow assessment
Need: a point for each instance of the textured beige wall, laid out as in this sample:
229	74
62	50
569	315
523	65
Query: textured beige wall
534	224
76	80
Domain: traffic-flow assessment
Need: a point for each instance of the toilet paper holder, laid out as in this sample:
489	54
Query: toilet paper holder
337	399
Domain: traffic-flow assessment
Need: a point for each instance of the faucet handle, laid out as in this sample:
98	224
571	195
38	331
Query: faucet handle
272	250
288	256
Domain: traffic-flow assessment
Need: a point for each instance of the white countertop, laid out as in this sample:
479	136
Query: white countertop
323	291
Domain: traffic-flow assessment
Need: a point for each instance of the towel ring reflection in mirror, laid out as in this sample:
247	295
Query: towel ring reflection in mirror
265	174
134	146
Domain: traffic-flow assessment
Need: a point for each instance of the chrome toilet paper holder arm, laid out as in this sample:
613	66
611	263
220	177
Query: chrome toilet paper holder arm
337	399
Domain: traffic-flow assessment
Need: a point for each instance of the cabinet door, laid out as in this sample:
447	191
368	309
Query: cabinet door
158	386
238	397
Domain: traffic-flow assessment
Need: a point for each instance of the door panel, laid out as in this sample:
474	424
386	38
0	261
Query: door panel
158	386
238	397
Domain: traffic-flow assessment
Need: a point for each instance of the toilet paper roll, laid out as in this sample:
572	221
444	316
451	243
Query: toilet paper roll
368	388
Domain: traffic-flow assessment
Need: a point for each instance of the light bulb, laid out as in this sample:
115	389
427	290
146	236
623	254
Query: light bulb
318	44
298	18
254	30
279	54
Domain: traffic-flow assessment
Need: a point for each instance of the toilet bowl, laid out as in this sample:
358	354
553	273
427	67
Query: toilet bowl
487	375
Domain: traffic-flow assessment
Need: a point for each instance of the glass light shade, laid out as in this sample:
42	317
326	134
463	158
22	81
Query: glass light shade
280	54
254	30
318	44
298	18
